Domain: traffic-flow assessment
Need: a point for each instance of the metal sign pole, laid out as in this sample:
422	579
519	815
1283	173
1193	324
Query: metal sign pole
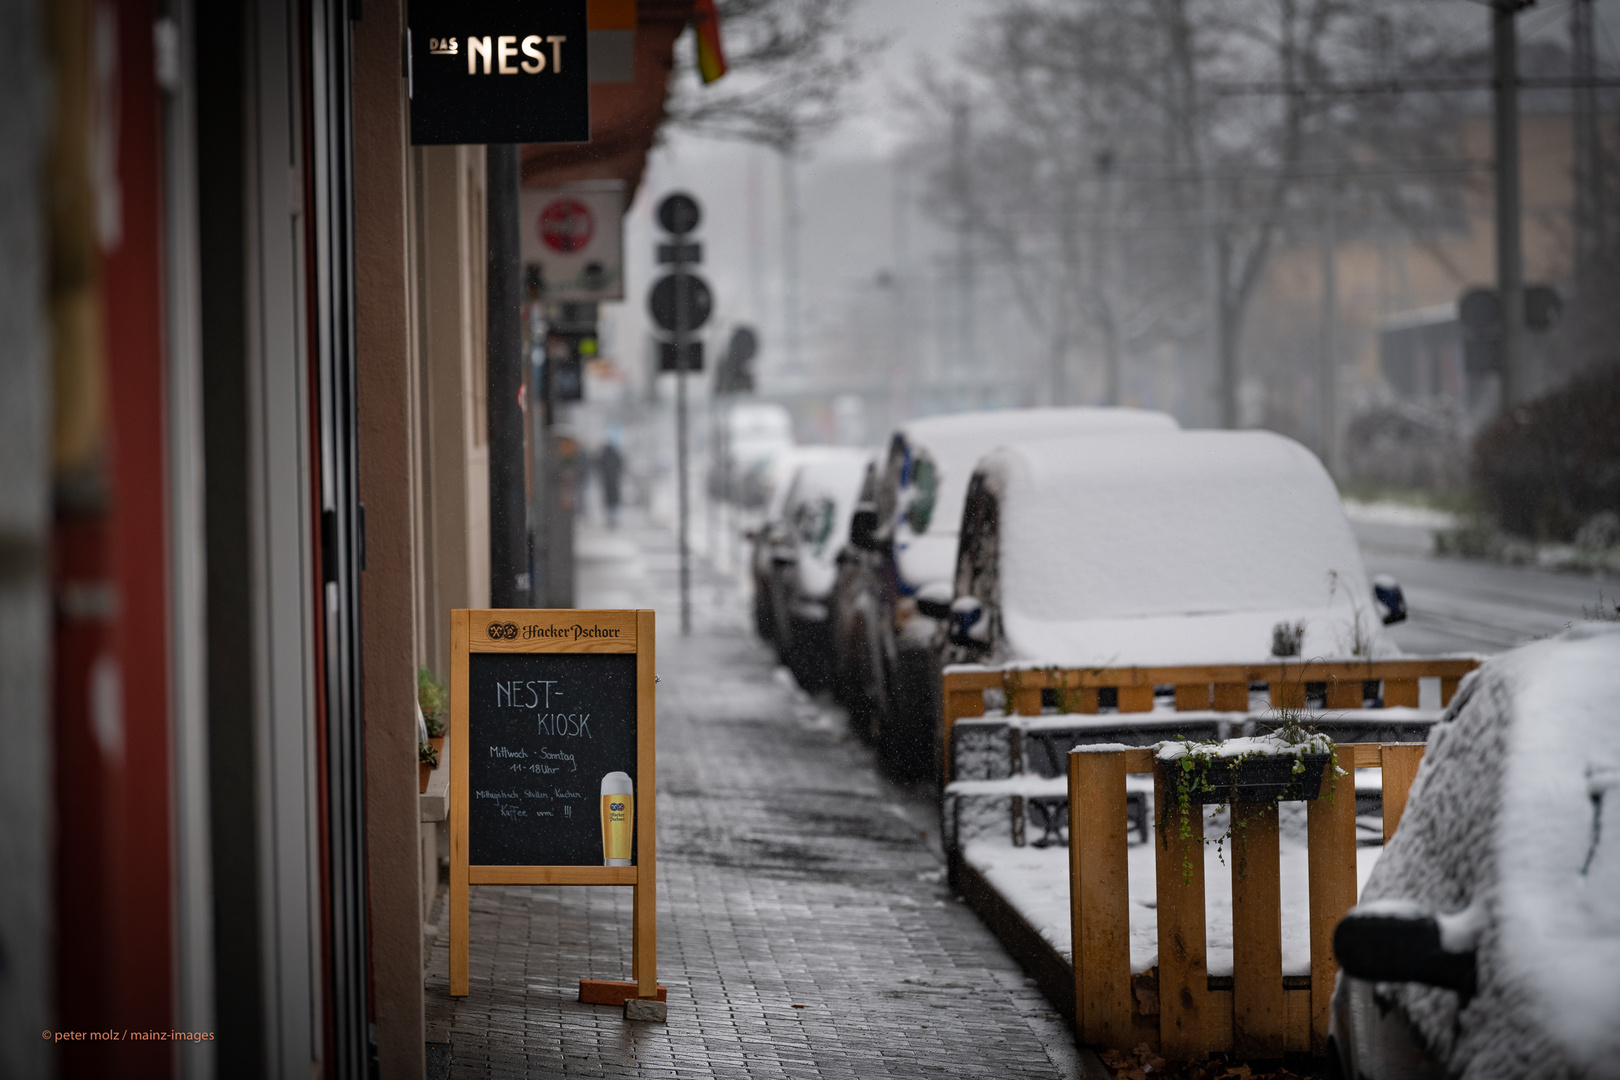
680	304
680	435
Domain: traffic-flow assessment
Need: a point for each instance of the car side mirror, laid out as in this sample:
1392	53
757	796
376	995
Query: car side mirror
969	627
863	528
1399	941
1390	599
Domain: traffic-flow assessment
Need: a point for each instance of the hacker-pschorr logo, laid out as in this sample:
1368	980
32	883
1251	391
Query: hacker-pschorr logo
503	631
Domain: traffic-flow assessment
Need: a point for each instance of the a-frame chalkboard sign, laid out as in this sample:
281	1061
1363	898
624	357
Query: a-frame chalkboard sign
553	767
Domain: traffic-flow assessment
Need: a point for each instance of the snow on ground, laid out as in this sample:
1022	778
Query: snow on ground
1035	881
1398	513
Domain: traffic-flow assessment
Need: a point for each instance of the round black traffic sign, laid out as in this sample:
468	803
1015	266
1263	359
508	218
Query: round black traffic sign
679	213
666	294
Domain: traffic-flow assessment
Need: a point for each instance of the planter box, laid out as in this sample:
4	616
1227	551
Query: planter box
1249	780
423	771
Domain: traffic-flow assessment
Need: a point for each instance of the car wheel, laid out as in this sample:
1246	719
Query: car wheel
910	752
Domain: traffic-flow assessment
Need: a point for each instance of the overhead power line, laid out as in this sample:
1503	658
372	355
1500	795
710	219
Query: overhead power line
1407	86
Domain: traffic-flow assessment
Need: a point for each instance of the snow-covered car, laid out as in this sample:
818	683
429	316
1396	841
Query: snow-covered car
816	514
851	608
770	541
1200	547
912	529
751	437
1487	941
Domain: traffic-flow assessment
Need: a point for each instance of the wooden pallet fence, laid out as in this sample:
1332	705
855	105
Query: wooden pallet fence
1207	687
1262	1013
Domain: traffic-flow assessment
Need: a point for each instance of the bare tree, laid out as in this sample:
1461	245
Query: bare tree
1141	160
791	63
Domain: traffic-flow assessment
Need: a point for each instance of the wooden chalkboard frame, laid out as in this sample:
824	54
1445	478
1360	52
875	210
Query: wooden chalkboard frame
630	631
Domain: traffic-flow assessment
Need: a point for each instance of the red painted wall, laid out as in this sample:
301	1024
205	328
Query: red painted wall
115	862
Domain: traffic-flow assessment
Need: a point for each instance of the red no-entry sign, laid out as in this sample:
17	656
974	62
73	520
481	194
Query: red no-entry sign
566	225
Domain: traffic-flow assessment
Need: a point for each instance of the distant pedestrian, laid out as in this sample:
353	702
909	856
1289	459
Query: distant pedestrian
610	463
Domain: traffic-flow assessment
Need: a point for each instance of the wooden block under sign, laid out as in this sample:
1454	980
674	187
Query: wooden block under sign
608	992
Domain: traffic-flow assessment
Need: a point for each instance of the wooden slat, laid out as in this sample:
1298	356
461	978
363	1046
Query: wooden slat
1194	696
1023	690
1259	1021
1217	1021
1100	899
1139	759
1448	688
1400	762
1297	1004
959	704
1344	694
1231	697
985	679
1287	694
1360	756
1078	958
551	875
1183	970
459	897
644	946
1135	699
1291	671
1082	700
1400	692
1331	871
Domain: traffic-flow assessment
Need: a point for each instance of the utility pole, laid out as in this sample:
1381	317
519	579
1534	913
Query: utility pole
541	378
790	262
964	247
1329	375
509	579
1509	248
1591	226
1103	243
681	317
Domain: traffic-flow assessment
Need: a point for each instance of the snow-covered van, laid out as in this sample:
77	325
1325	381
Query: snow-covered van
1204	547
909	538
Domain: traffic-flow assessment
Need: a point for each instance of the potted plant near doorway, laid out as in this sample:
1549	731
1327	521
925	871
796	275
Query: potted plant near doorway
427	759
431	699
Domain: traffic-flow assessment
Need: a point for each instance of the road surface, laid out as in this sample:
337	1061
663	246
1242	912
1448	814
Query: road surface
1463	605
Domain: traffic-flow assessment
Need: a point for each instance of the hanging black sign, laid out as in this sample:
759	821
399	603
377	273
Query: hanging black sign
498	71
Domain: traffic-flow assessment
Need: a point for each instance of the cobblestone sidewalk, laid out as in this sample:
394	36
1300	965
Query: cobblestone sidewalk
804	927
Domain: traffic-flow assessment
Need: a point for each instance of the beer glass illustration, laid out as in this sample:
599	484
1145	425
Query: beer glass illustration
618	818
